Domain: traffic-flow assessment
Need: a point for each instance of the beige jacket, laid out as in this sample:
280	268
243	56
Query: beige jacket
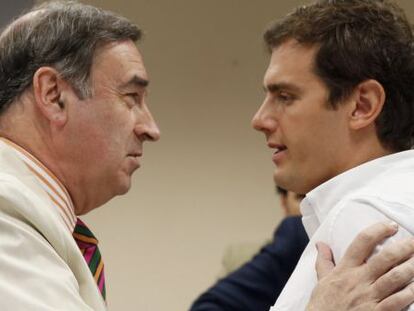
41	267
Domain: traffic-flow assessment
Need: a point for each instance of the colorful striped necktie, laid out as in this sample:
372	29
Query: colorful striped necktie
88	245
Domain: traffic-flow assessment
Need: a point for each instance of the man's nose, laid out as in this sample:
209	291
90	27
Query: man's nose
259	120
153	131
147	128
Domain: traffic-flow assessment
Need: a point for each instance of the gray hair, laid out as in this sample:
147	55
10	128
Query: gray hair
63	35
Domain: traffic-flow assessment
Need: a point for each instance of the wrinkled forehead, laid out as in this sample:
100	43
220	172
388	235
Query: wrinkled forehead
119	63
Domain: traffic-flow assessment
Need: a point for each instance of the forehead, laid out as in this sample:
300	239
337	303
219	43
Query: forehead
118	62
291	62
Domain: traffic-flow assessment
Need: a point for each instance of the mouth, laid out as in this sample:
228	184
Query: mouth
279	153
134	161
134	154
279	148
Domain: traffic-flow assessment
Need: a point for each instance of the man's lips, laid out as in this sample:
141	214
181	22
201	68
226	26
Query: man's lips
279	152
135	154
280	148
135	159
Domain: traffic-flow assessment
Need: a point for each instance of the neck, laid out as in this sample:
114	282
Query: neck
368	147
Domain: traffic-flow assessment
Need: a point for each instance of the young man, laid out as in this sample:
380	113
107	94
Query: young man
339	117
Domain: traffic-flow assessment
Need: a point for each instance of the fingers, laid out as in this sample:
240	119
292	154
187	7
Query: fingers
363	245
394	280
391	255
324	261
398	301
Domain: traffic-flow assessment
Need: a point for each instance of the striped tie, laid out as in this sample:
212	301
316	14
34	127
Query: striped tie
88	245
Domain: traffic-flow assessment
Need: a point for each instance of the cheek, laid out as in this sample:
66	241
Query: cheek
93	140
106	134
118	134
318	137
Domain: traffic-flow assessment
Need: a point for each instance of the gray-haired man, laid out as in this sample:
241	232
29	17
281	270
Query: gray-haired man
73	120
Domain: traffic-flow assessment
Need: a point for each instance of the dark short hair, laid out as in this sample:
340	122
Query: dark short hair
359	40
63	35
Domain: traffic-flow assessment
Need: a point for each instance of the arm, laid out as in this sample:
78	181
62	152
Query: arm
381	284
256	285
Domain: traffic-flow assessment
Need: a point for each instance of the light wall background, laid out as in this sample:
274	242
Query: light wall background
208	182
10	9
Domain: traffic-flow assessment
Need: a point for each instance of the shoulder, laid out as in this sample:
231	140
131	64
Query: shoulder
19	199
358	211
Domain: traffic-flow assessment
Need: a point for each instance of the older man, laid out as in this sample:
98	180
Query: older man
73	122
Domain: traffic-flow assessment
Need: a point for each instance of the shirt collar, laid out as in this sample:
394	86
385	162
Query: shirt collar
318	202
50	183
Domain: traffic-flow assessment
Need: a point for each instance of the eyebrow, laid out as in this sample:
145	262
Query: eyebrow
136	81
275	87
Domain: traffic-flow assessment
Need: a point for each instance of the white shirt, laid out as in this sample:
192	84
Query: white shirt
336	211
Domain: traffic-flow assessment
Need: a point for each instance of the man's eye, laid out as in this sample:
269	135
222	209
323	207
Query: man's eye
132	99
284	97
134	96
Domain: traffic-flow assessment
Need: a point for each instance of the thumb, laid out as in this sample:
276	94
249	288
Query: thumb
324	261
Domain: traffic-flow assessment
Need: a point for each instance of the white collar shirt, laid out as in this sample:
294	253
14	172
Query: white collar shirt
337	210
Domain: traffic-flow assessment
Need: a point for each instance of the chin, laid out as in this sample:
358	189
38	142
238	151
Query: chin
281	180
124	189
287	182
121	183
125	186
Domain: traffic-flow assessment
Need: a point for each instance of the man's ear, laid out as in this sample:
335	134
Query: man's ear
368	101
48	89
